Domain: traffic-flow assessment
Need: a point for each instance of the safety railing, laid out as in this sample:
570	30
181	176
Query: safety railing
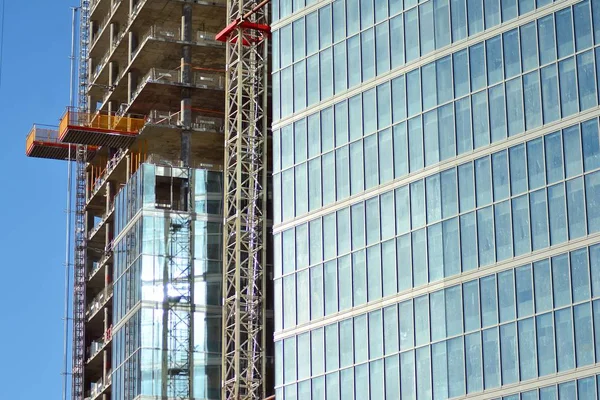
100	300
200	79
40	133
199	122
101	222
101	121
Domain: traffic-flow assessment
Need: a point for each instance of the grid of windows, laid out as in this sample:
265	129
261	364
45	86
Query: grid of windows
444	211
583	389
309	68
518	324
531	196
432	114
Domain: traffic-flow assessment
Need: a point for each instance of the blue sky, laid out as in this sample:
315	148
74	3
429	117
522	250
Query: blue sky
35	88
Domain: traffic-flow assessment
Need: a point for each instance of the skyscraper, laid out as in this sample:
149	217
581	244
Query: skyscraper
437	192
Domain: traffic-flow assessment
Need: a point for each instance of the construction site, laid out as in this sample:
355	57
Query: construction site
167	135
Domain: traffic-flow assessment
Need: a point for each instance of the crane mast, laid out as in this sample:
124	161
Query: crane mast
245	228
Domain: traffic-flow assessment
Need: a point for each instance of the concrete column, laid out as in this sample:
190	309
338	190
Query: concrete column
113	72
112	108
93	27
132	4
132	83
108	194
186	97
114	31
90	69
91	104
132	45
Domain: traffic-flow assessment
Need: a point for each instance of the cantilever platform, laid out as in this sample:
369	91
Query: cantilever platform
43	142
98	129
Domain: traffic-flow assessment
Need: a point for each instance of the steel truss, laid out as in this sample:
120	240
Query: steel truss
244	235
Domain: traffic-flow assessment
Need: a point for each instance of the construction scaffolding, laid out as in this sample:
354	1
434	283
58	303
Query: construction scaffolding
245	231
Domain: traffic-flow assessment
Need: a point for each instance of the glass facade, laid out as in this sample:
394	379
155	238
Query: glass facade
154	248
436	172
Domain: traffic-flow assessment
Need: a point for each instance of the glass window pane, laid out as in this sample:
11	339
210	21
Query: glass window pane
468	235
375	334
423	364
524	291
407	375
535	163
584	341
592	192
560	280
402	210
512	58
586	79
533	107
521	225
461	73
508	348
550	93
421	320
397	41
564	339
489	303
459	19
564	32
491	358
557	214
545	344
529	52
572	150
390	330
374	272
419	246
506	295
539	219
518	169
345	286
475	13
331	287
411	25
483	181
527	353
471	305
464	139
474	362
446	132
591	145
546	39
497	113
580	275
542	282
359	278
477	64
432	151
357	179
493	49
503	231
568	87
576	208
346	343
405	310
514	106
354	74
388	256
481	130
